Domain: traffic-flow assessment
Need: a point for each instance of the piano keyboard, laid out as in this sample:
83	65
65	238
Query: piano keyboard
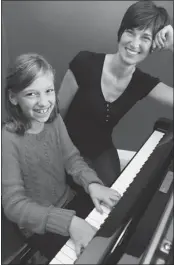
66	254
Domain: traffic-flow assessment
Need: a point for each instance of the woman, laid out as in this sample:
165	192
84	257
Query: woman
106	86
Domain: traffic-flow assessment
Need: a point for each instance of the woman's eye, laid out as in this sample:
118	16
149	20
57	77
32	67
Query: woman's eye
129	31
147	38
30	94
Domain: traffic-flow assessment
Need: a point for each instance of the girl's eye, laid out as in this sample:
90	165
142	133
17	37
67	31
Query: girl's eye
50	90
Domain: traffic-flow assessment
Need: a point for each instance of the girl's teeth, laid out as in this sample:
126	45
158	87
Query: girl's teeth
42	111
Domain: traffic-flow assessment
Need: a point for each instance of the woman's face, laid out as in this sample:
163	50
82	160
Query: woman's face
134	45
38	99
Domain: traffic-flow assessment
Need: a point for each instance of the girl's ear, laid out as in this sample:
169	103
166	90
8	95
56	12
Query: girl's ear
13	98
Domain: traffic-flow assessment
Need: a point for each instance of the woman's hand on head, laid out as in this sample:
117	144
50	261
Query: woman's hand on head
81	233
164	39
102	194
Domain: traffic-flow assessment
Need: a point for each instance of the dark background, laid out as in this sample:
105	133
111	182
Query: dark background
60	29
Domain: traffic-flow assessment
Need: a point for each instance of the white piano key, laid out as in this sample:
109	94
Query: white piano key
92	222
64	258
105	209
55	261
98	217
69	252
70	244
130	172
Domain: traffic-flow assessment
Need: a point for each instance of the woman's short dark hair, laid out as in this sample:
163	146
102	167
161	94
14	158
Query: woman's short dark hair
22	73
143	15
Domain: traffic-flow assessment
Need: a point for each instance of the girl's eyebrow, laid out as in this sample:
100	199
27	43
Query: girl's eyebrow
29	90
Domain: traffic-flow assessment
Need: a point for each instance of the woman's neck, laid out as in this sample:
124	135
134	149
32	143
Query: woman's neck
36	127
119	68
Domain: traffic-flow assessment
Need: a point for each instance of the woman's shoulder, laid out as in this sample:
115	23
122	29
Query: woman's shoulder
146	81
86	56
143	76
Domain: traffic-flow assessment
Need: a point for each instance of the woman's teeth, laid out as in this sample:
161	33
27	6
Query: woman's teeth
131	52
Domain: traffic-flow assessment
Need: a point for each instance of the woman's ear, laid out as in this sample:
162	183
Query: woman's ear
13	98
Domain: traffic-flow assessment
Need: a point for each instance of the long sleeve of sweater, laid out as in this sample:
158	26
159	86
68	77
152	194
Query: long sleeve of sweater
75	165
22	209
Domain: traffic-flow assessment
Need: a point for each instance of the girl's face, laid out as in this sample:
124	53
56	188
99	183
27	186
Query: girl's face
38	99
134	45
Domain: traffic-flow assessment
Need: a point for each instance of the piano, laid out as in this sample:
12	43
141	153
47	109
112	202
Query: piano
139	184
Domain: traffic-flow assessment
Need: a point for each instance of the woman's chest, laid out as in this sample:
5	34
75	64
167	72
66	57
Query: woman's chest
112	87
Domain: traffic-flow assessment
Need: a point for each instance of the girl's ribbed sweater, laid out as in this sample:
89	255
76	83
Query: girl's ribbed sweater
34	188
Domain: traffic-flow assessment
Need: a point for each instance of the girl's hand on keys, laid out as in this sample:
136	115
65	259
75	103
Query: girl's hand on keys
81	233
101	194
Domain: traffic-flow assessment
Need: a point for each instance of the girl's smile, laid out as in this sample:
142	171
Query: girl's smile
38	99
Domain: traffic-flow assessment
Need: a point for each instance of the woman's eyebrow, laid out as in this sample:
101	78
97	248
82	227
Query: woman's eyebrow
148	34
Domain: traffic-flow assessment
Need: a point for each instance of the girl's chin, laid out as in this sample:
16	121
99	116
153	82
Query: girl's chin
40	119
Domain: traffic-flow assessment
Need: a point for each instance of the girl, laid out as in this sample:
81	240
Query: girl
99	89
36	152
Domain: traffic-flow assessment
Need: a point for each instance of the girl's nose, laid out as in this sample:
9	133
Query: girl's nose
43	101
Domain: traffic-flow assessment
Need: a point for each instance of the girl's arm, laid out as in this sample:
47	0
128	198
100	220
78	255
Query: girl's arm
21	209
67	92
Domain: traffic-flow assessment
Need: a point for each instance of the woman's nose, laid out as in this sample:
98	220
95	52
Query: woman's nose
135	43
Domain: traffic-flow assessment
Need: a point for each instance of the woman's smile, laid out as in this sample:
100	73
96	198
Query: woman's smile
131	51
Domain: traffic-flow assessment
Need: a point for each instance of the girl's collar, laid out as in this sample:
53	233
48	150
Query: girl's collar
37	130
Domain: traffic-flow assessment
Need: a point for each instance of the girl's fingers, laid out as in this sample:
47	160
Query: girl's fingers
97	205
78	249
115	196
